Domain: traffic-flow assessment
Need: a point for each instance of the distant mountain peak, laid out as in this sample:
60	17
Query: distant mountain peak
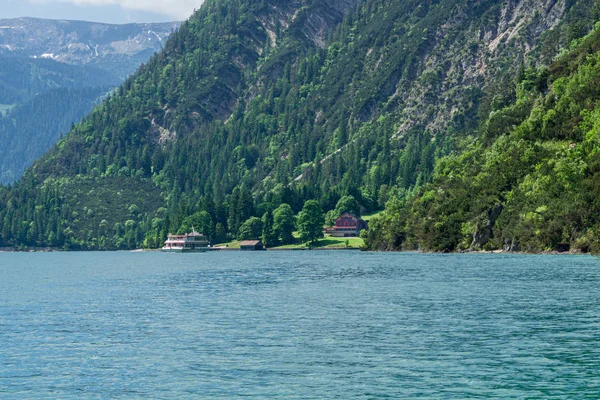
80	42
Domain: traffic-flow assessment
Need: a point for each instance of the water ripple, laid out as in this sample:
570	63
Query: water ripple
298	325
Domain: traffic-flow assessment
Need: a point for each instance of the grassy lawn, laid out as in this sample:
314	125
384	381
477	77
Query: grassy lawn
327	242
324	243
367	217
230	245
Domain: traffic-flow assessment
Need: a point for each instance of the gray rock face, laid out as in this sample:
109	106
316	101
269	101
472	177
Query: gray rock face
314	18
485	233
118	47
518	22
511	245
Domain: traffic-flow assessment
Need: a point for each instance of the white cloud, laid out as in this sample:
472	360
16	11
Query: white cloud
179	9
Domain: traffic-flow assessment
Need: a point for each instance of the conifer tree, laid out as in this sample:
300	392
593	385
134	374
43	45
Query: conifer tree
269	236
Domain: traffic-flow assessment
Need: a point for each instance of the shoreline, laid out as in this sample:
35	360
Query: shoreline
552	252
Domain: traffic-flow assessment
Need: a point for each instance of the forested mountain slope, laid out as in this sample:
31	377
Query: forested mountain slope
23	78
34	126
284	101
52	73
41	99
530	183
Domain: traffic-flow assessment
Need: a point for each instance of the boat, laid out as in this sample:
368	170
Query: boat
188	242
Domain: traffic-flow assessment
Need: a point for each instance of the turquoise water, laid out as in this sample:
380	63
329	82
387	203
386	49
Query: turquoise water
298	325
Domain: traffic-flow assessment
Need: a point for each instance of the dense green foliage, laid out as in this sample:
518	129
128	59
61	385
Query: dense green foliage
269	235
252	228
345	204
531	183
284	224
310	222
255	104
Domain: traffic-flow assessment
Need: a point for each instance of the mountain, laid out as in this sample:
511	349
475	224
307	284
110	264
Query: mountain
52	73
23	78
120	49
530	183
254	104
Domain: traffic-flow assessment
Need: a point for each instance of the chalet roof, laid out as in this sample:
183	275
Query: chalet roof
250	242
346	213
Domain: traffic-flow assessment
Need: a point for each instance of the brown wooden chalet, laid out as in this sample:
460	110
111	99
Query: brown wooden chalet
347	225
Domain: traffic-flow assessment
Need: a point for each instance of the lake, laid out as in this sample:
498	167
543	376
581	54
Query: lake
298	325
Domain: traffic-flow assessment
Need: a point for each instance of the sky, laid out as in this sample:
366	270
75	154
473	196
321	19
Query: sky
109	11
